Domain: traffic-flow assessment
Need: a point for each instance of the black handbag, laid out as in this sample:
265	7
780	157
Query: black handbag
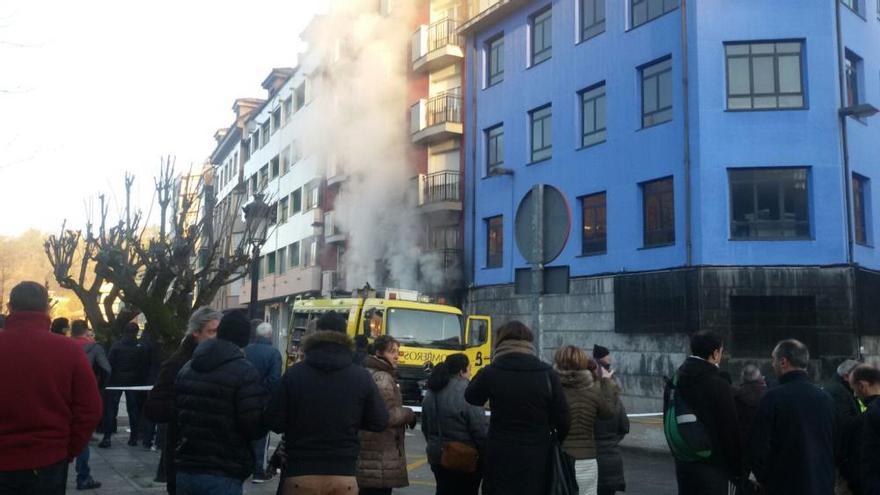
561	470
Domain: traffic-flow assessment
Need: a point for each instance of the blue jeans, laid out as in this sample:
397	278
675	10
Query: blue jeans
259	448
207	484
83	473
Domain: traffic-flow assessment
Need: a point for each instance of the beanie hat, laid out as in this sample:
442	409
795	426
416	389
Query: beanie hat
599	352
235	327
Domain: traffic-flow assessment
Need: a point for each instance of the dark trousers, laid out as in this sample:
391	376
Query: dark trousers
606	491
455	483
83	472
111	410
374	491
700	478
50	480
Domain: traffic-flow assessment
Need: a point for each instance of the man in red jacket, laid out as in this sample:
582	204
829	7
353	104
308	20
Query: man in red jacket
50	401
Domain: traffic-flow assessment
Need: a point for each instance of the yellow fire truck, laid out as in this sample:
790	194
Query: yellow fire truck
427	332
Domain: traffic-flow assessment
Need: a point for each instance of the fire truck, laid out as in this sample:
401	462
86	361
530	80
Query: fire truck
427	331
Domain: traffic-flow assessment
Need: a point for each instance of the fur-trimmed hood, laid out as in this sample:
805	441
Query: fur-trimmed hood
575	379
328	351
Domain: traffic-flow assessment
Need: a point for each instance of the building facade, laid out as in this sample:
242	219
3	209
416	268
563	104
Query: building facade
639	170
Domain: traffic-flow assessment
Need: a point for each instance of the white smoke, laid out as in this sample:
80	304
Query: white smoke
361	116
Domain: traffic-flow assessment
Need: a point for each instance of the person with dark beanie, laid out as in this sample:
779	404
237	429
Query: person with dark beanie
50	400
60	326
219	401
527	404
321	404
447	417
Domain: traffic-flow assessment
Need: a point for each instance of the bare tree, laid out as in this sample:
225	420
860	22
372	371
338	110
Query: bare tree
163	275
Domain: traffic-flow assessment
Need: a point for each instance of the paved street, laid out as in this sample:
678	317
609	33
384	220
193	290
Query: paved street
129	470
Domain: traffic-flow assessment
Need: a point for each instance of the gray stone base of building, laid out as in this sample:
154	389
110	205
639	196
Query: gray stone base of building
645	319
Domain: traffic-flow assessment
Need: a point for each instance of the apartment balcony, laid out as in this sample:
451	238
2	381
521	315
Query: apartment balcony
483	13
440	192
436	46
335	173
436	119
332	233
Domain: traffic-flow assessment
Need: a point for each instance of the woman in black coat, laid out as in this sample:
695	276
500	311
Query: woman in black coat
527	403
609	433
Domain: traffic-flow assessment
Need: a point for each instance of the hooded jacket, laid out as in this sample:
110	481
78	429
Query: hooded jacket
445	411
792	440
321	404
50	401
711	397
586	405
382	461
219	400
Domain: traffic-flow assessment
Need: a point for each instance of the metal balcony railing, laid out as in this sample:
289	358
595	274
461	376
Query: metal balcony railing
441	186
442	34
443	108
448	257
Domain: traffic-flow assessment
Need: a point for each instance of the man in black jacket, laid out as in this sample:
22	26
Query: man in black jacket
791	448
159	408
849	424
219	401
865	380
710	396
129	362
322	403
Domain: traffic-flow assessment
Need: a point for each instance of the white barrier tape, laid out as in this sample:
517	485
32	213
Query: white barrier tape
138	388
418	409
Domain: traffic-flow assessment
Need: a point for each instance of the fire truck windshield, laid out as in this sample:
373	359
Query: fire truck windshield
421	328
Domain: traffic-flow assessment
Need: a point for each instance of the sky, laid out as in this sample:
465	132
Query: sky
90	89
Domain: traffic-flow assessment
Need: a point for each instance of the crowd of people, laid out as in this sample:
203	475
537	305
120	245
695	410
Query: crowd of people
343	423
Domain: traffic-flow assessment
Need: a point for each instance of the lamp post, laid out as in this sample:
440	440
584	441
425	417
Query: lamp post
256	215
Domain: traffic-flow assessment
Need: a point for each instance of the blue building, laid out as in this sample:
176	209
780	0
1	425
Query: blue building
688	165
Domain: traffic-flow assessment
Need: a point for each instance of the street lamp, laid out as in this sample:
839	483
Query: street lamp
256	216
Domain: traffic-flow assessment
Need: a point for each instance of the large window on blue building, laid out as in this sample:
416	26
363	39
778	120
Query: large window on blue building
542	36
542	133
495	60
592	18
494	242
658	208
765	75
860	188
593	115
769	203
643	11
594	230
494	147
657	92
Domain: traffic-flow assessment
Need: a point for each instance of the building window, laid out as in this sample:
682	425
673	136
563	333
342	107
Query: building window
274	168
299	97
852	4
254	184
296	201
658	203
282	260
293	254
860	207
542	36
264	176
494	242
592	18
852	70
273	214
594	236
264	134
312	193
270	263
769	203
282	209
647	10
286	110
276	120
494	147
767	75
285	161
310	251
495	61
593	115
657	92
255	141
542	133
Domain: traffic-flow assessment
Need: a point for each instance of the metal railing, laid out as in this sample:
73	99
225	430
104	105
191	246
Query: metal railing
448	257
443	108
441	186
442	34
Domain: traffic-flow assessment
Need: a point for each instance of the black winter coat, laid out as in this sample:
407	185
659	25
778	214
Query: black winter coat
849	428
711	397
219	401
870	458
791	448
747	398
159	407
130	363
321	404
609	434
527	401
